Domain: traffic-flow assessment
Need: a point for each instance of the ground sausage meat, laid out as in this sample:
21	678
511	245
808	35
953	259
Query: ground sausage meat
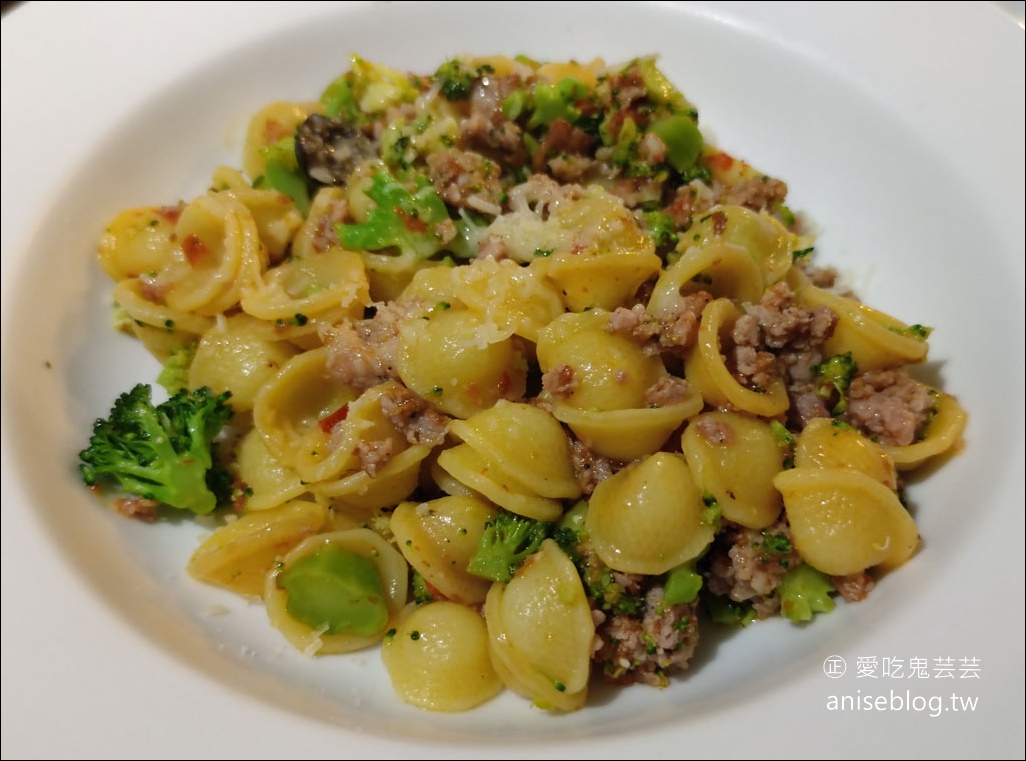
890	405
647	648
590	469
467	180
361	353
746	565
414	417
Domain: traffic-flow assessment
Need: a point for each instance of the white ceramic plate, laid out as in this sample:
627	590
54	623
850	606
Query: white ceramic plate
899	128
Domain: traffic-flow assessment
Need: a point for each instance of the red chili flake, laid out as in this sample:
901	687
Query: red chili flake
194	249
171	213
410	222
328	422
720	161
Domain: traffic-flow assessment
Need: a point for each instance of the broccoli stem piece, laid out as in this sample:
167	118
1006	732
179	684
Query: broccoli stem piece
508	540
682	586
805	591
161	452
402	218
174	376
335	590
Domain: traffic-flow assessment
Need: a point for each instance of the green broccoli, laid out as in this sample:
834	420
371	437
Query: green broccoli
723	610
785	439
834	376
336	590
682	139
455	80
600	582
662	228
402	219
282	173
557	101
507	541
805	591
174	376
683	583
420	590
162	452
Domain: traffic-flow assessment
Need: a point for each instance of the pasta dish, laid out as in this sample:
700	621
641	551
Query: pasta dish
507	371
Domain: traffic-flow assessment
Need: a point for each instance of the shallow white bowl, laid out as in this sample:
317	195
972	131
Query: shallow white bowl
899	129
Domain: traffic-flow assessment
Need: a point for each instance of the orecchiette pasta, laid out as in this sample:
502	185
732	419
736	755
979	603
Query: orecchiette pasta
438	658
525	380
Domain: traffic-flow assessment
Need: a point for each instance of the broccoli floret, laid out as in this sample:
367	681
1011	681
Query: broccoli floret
805	591
662	228
162	452
834	376
400	219
507	541
174	376
455	79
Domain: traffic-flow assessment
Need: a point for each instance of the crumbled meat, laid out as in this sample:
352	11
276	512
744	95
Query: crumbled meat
743	570
784	322
855	586
361	353
414	417
647	649
890	405
562	138
374	455
140	508
487	129
674	334
666	391
467	180
757	193
688	200
560	381
590	469
778	336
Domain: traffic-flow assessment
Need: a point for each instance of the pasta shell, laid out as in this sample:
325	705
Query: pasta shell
541	630
843	521
706	370
647	518
734	457
943	434
393	573
438	658
239	555
439	538
875	339
527	442
821	444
